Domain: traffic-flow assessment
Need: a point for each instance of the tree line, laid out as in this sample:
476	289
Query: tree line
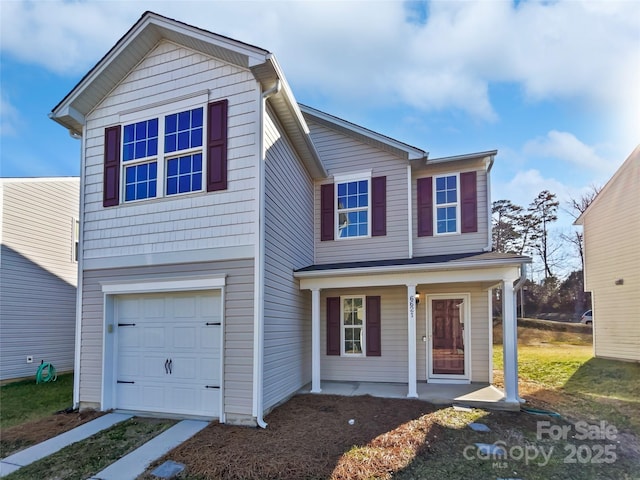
528	231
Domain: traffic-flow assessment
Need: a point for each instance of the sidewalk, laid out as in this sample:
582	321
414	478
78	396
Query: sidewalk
128	467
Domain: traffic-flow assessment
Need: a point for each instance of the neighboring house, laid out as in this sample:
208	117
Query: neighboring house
612	263
237	246
38	274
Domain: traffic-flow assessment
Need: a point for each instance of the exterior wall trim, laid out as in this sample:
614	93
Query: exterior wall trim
164	285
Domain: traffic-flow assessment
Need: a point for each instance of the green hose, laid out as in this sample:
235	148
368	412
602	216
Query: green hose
537	411
46	373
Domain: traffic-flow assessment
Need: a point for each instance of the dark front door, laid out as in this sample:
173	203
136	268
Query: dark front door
447	337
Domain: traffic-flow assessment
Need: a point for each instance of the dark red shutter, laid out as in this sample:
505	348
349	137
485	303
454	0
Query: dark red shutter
378	206
326	212
217	146
425	207
469	202
111	180
373	337
333	325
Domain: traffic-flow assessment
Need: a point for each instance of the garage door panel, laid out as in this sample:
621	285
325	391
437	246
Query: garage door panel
170	327
154	336
185	337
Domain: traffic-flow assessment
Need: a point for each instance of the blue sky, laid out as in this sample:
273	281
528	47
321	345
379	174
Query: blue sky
554	86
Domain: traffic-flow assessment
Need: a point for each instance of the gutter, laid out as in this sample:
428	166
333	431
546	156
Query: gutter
78	332
516	288
258	305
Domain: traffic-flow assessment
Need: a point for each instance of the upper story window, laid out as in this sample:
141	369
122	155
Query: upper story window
353	209
166	154
182	133
446	202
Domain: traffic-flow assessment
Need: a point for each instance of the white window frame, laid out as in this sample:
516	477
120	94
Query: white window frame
446	205
348	178
363	335
160	112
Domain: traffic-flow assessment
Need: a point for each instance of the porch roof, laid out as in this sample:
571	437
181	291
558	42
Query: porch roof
431	262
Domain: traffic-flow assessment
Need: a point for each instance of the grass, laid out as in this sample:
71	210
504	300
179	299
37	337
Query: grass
86	458
25	400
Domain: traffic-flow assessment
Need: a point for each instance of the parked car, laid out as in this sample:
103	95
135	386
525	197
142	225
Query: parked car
587	317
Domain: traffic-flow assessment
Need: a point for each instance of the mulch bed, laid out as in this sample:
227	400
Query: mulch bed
22	436
307	438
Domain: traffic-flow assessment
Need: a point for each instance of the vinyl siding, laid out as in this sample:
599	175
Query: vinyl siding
460	243
344	155
238	326
392	365
611	228
288	246
38	274
182	222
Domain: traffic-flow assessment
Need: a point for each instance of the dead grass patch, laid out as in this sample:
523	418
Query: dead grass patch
21	436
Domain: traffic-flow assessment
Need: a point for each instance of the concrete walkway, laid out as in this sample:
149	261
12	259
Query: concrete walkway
136	462
46	448
126	468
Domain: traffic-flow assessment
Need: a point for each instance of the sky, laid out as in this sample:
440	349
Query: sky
554	86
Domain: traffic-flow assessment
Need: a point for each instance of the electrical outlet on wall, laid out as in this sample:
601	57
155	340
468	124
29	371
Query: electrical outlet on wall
29	359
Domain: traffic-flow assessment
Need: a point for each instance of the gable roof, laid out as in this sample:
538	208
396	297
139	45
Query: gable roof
632	162
365	135
144	35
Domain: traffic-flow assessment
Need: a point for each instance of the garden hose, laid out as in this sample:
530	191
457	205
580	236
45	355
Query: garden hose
46	373
537	411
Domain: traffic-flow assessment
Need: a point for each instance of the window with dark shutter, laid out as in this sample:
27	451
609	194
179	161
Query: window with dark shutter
326	212
469	202
425	206
333	326
373	321
378	206
217	146
111	180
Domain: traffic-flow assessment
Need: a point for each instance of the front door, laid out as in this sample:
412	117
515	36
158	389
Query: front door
447	345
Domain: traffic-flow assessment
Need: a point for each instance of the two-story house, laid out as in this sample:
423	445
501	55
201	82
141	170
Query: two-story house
237	246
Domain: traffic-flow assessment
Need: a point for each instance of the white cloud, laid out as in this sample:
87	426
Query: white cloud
584	51
565	147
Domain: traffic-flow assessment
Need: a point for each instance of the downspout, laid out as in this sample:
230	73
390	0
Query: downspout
78	333
489	246
258	336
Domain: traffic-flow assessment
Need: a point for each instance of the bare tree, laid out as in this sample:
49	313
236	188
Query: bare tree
575	208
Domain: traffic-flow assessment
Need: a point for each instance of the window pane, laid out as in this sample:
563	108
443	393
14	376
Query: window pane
348	334
184	120
184	174
141	149
128	152
130	192
196	182
152	128
172	167
441	198
352	188
451	182
183	140
196	117
141	130
184	130
142	173
441	183
140	140
196	137
452	196
171	124
363	186
342	189
141	181
172	186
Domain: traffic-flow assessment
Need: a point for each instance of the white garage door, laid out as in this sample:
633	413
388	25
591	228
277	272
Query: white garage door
168	353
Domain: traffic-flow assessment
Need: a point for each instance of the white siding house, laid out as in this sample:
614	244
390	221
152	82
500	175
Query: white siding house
612	263
212	202
38	274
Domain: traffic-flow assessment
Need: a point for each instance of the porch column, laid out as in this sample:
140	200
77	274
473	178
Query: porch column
315	340
509	342
411	338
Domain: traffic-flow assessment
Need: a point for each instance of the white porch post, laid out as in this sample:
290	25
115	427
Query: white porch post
315	340
411	338
509	342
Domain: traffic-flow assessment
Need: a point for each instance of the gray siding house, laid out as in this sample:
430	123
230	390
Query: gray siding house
237	246
38	274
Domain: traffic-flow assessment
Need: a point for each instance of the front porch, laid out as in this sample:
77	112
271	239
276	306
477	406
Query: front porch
476	395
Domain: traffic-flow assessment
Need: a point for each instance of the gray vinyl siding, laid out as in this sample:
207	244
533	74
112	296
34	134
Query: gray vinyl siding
38	274
288	246
344	155
464	242
611	228
392	365
181	222
238	326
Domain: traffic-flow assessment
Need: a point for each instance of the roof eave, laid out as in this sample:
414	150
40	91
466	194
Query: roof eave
458	265
399	148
